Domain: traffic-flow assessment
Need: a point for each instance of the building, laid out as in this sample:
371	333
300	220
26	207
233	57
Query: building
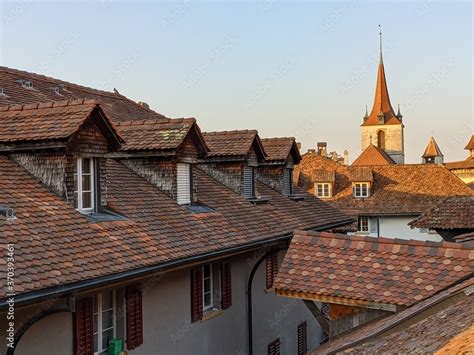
465	169
384	198
361	279
452	218
322	151
383	127
373	155
127	225
432	154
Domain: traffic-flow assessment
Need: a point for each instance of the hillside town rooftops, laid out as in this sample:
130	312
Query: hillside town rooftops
370	272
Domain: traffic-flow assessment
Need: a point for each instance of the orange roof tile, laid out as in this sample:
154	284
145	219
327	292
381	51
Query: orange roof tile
364	271
373	155
278	149
432	150
233	143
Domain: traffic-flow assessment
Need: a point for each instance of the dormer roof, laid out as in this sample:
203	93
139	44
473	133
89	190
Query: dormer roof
373	155
322	175
164	135
52	122
279	149
361	174
234	144
432	150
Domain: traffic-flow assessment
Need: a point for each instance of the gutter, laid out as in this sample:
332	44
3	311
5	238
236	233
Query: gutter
69	288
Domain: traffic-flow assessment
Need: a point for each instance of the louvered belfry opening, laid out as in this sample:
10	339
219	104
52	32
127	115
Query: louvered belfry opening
249	181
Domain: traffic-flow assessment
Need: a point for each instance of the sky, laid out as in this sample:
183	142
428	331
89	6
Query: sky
286	68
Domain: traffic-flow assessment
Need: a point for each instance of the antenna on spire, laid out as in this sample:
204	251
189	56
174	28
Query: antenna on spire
380	35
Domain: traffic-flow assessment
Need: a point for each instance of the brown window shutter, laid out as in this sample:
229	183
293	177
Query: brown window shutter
271	269
134	316
226	285
84	328
274	347
302	339
196	294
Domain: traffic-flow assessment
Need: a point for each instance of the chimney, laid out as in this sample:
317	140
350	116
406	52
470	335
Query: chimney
321	148
298	145
334	156
311	151
144	104
346	157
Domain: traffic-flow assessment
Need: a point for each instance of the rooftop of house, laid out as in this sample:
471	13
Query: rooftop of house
395	190
233	143
454	212
278	149
21	87
432	150
470	144
468	163
422	328
48	121
371	156
370	272
159	134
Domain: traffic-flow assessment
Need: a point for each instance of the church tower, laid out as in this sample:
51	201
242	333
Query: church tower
383	127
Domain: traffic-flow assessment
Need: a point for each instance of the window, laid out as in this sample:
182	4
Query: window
302	339
271	270
84	185
184	183
104	321
323	190
381	139
274	347
361	189
288	181
207	291
363	224
249	182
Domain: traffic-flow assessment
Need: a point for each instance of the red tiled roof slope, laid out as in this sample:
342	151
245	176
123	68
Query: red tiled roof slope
230	143
396	189
373	155
278	149
463	164
46	89
456	212
356	269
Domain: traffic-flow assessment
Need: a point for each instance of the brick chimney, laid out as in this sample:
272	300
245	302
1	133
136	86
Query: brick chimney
322	148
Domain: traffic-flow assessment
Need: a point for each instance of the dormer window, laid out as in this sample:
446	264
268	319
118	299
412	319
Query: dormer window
84	200
361	189
249	182
323	190
184	183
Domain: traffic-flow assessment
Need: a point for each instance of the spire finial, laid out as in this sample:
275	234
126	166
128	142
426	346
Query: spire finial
380	35
366	111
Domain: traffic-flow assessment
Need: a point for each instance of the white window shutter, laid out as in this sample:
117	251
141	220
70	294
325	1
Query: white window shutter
287	181
183	183
249	189
373	225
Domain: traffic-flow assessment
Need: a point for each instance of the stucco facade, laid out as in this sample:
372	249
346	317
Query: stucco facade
167	323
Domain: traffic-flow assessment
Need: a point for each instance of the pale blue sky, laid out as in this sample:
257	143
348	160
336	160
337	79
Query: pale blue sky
304	69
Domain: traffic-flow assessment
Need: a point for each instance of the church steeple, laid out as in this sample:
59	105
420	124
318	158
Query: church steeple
382	111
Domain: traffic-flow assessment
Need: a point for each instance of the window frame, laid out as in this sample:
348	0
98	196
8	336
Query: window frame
78	174
360	224
209	307
360	186
323	186
98	301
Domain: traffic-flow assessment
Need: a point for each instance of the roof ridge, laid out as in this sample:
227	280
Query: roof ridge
156	121
215	133
275	138
51	104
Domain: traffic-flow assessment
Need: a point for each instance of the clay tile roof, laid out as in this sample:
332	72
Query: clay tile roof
155	134
232	143
408	189
463	164
278	149
465	238
44	121
47	89
321	175
432	150
365	271
361	174
454	212
470	145
373	155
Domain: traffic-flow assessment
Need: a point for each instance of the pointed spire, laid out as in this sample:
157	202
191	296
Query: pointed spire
432	149
399	115
382	111
366	113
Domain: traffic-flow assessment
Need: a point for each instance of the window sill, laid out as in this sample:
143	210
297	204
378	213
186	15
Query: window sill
211	314
297	198
270	290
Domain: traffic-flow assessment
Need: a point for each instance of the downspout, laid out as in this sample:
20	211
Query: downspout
249	294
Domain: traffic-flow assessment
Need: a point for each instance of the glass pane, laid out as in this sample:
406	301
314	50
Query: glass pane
75	182
207	271
207	299
106	336
107	301
107	319
96	321
86	183
86	200
86	166
75	199
96	344
207	285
